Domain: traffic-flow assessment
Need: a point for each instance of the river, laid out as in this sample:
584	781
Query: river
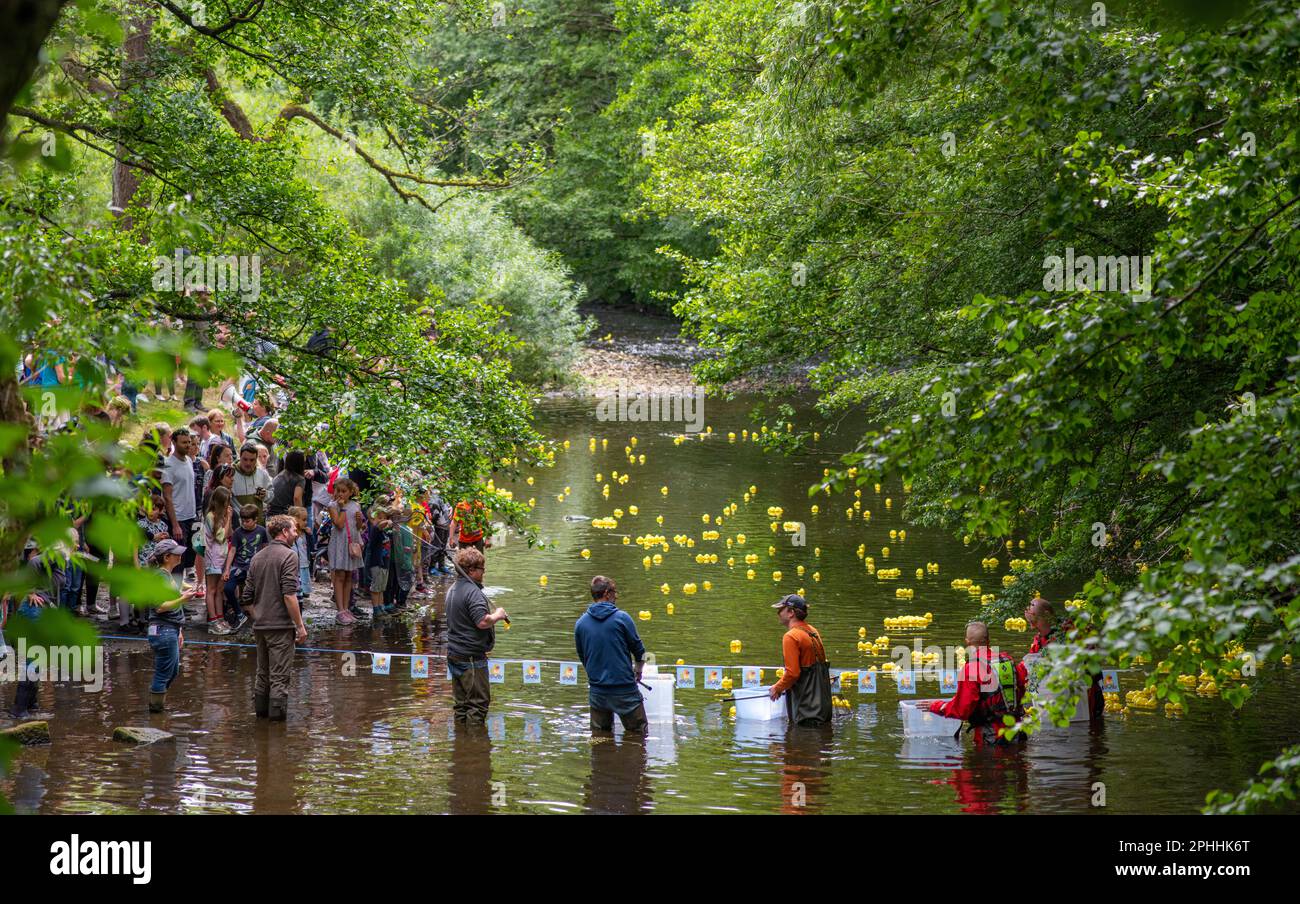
357	742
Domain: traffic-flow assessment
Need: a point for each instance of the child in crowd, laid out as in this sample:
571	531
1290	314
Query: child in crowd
420	527
379	557
167	622
153	525
346	545
440	519
248	538
404	551
299	514
216	555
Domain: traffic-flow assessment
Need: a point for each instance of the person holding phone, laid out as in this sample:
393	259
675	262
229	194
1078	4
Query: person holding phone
166	622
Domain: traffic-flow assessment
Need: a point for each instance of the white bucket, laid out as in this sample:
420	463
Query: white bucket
1081	710
919	722
659	699
754	704
1038	693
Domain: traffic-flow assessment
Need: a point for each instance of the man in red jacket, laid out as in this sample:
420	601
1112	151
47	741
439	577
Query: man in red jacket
1042	618
989	689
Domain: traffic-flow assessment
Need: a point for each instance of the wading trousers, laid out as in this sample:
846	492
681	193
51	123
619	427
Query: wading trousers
469	690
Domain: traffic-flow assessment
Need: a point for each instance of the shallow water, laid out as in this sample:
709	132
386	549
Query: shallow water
359	742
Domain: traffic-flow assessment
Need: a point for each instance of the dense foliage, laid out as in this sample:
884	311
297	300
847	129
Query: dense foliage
149	133
548	73
888	184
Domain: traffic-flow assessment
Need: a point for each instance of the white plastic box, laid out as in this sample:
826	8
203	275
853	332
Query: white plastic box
755	704
659	699
1038	694
1081	711
919	722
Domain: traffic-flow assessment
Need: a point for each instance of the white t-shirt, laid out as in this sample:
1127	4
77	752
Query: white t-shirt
179	472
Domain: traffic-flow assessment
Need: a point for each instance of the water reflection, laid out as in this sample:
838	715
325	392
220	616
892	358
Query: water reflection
469	786
805	756
617	782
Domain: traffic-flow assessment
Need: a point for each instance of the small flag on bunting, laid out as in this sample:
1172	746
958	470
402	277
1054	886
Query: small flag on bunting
532	671
419	666
685	676
713	678
906	682
866	682
948	681
496	671
752	676
1110	681
381	663
568	673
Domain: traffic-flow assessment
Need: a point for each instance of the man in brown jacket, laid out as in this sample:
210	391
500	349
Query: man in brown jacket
271	600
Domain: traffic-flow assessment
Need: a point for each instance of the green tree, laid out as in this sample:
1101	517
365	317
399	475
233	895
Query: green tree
888	185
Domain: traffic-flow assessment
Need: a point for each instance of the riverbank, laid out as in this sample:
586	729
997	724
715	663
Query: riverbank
643	350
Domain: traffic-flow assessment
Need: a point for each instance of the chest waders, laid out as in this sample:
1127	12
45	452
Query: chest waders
809	700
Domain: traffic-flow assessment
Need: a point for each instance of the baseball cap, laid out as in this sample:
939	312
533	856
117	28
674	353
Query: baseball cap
167	548
793	600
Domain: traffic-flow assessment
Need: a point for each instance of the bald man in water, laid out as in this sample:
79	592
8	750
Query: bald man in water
989	689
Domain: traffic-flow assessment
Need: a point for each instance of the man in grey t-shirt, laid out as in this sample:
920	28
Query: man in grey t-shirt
470	637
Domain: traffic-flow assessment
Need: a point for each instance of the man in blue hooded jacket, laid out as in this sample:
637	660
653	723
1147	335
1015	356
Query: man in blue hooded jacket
607	645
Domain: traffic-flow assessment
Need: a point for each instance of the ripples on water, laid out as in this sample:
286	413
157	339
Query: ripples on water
365	743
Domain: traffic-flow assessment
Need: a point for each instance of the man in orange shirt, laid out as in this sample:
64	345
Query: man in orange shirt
807	675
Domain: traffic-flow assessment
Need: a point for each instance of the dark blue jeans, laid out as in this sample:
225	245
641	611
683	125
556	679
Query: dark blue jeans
165	640
233	588
70	593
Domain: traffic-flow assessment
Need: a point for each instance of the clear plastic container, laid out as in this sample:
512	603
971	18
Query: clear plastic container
659	699
919	722
754	704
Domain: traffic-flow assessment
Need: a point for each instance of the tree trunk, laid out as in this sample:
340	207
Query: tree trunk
24	25
135	68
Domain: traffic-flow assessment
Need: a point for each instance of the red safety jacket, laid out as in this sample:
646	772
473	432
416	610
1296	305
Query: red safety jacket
980	700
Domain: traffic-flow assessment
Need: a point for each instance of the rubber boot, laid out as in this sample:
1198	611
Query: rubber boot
261	704
279	709
156	702
24	698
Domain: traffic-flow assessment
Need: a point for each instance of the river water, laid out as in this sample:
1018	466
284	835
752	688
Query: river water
358	742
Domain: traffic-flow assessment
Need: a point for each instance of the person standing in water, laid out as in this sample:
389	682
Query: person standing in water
613	656
471	635
807	678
